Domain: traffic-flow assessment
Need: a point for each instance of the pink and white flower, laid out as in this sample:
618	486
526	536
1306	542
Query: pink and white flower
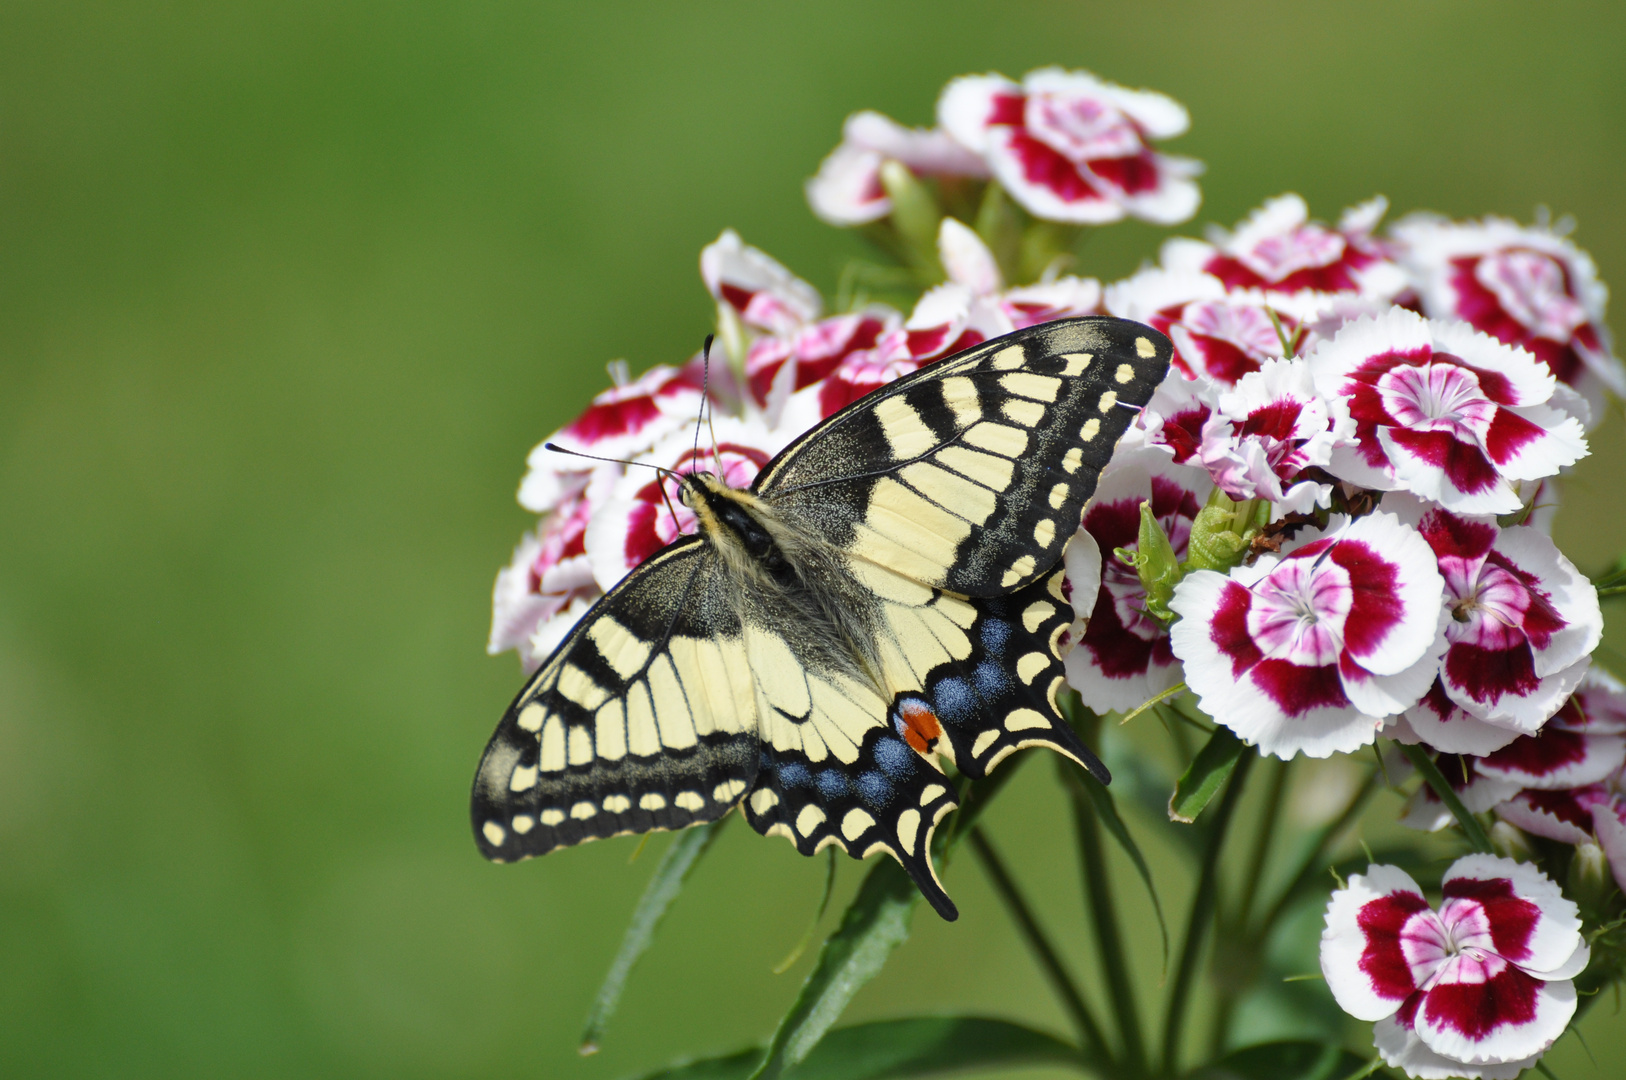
847	189
756	287
777	366
1123	655
1523	624
549	572
644	511
1175	418
622	421
1480	988
1268	430
1217	335
1071	147
1309	651
1443	411
1278	249
1527	286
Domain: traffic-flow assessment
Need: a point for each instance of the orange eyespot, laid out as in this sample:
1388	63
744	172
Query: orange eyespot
921	728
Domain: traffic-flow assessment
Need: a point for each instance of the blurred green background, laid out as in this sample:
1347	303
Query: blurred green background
287	291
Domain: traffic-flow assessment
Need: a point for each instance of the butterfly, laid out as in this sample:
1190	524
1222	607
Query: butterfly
885	593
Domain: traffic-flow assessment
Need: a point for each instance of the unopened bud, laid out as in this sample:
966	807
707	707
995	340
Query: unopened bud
915	213
1156	564
1590	882
1222	532
1510	841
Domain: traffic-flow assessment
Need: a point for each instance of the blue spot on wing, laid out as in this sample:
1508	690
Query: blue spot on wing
832	784
995	634
954	701
992	680
874	789
793	774
894	757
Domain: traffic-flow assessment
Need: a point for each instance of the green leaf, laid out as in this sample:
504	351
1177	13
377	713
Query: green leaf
874	924
915	1047
680	856
1430	772
1291	1060
1106	809
1205	775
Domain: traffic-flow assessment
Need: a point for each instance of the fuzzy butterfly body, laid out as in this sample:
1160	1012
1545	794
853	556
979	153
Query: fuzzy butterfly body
887	592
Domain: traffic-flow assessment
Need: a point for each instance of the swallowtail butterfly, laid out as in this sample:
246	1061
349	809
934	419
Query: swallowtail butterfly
887	591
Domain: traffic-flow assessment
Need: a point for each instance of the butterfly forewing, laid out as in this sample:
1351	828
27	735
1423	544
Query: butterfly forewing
970	474
645	718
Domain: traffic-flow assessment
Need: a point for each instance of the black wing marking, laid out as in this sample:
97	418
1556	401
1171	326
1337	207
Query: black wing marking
971	474
888	799
643	719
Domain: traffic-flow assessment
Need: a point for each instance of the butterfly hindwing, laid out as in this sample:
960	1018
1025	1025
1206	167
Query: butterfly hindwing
643	719
971	474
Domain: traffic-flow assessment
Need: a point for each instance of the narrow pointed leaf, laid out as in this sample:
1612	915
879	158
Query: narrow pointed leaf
679	858
874	924
1291	1060
1206	774
1106	809
898	1049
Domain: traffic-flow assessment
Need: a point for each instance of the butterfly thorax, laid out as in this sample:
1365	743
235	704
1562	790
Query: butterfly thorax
796	578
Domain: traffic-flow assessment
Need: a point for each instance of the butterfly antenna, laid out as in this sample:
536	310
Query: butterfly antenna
665	472
557	449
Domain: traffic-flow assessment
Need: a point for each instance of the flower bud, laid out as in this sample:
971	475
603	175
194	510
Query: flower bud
915	213
1590	882
1155	563
1509	841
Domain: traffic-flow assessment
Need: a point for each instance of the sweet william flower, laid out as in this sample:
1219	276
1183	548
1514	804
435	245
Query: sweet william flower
1071	147
1527	286
1523	624
1443	411
644	511
1175	418
1310	650
847	189
1217	335
1479	988
756	287
1279	249
1269	429
1123	656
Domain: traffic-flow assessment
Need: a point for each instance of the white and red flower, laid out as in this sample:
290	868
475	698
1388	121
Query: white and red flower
644	511
1268	430
1524	622
1309	651
1217	335
1443	411
1175	418
1528	286
549	572
1123	655
1071	147
756	287
1479	988
847	189
1278	249
1574	786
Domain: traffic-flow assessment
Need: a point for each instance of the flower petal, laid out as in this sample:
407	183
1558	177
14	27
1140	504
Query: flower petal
1401	1048
1361	952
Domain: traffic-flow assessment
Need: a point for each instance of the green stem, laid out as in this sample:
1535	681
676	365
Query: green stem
1235	926
1442	787
1262	842
1202	911
1311	864
1108	935
1043	951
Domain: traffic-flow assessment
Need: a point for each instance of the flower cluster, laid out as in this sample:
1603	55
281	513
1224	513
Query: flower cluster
1330	524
